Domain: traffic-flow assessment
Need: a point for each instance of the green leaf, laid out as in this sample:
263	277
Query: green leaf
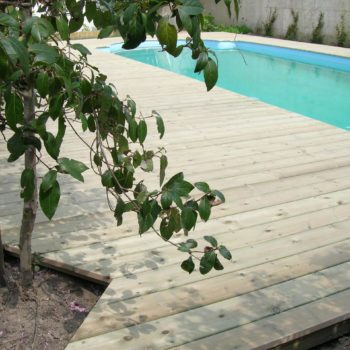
21	53
16	146
63	28
177	186
76	23
32	141
218	194
61	131
163	166
48	180
9	50
204	209
160	126
7	20
81	48
27	184
72	167
188	265
139	188
133	130
210	74
167	35
107	179
40	28
56	106
166	200
188	218
149	24
166	229
132	106
51	145
225	252
137	159
142	131
123	144
105	32
190	8
84	122
147	164
91	123
135	33
211	240
187	13
90	10
177	178
178	51
44	53
97	160
49	200
207	262
148	215
202	186
183	188
13	110
142	196
201	62
42	84
119	211
85	87
187	246
218	265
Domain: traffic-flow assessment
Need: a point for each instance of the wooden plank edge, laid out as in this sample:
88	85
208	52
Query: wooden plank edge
312	336
62	267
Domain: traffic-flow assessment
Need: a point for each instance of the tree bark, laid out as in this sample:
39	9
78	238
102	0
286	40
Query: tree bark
29	206
2	265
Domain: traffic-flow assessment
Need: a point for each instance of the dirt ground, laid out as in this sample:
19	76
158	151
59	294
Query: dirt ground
49	315
342	343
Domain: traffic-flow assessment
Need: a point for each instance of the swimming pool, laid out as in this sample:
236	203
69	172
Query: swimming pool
312	84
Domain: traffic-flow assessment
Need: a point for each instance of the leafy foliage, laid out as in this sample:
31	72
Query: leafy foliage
209	25
292	31
342	35
317	34
268	25
68	91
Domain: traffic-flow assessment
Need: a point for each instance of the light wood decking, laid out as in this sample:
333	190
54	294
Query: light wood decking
286	179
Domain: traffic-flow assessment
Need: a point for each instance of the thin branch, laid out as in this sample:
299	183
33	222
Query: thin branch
98	138
77	134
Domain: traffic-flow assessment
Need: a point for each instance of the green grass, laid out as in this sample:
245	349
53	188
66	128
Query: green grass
210	26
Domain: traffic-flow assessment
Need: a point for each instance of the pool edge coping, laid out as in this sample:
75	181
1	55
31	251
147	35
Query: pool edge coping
254	39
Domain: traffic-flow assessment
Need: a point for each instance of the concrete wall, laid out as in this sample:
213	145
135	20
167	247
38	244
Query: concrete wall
254	13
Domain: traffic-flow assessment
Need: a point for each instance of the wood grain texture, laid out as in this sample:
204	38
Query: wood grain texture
286	221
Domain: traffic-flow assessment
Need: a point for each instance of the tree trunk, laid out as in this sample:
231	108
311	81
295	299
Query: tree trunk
2	265
30	206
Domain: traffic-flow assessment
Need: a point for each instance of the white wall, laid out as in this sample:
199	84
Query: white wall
254	13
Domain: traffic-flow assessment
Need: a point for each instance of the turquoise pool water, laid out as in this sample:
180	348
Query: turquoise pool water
315	85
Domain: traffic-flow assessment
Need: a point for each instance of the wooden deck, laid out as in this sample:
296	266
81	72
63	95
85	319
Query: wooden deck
286	179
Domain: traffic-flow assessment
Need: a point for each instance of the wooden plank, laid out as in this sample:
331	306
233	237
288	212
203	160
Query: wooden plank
320	210
158	304
287	187
126	245
63	267
192	325
167	260
301	328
